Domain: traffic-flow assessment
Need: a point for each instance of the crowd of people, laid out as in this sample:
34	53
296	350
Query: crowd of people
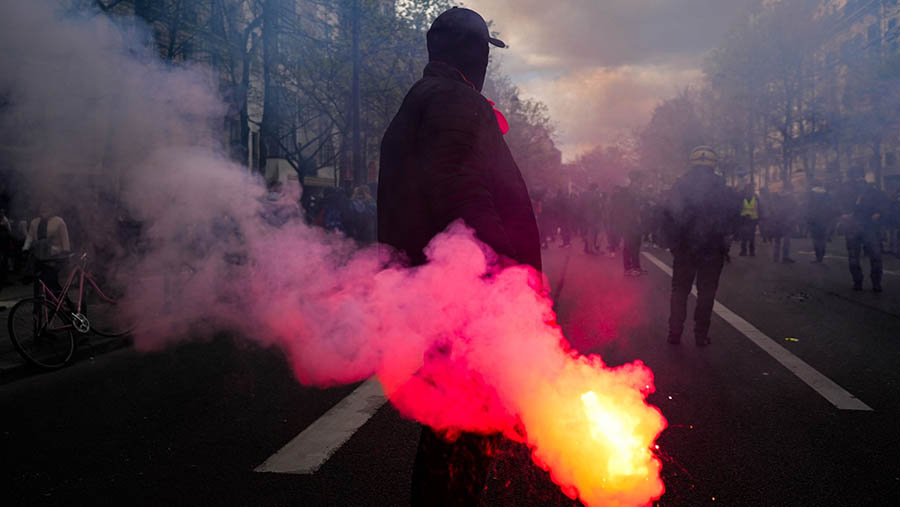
352	213
617	220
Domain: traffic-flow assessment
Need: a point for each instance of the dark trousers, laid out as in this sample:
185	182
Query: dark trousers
819	235
48	272
748	236
706	268
565	230
590	239
870	243
781	244
612	240
450	473
631	251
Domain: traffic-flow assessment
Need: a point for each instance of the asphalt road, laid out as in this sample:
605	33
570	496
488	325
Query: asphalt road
187	426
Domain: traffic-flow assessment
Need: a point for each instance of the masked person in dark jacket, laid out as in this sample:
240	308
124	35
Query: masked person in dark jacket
443	158
864	207
700	215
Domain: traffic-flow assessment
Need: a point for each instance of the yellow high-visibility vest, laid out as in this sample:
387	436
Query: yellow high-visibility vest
751	209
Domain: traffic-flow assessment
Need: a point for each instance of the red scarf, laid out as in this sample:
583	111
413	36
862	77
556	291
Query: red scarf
502	123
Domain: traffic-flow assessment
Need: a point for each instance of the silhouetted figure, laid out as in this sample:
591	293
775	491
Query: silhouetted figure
700	214
820	215
443	158
749	221
48	244
611	223
863	206
591	206
625	206
562	208
782	212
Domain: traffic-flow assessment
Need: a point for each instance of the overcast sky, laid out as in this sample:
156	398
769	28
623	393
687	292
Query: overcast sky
602	65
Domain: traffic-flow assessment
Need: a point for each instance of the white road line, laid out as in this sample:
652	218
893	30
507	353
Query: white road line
313	446
826	387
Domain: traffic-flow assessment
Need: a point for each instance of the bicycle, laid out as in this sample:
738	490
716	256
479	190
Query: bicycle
43	328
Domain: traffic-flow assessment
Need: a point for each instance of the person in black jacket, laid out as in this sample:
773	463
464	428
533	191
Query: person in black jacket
820	216
700	214
863	206
443	158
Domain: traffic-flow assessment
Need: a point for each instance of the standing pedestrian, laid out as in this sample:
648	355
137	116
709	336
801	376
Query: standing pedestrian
48	244
783	216
626	206
819	215
591	215
749	221
765	223
443	158
700	215
542	216
894	228
863	206
563	207
611	224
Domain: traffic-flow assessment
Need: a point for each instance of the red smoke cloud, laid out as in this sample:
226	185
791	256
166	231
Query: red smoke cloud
458	343
461	345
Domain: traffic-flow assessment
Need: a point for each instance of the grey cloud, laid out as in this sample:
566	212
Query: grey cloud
612	32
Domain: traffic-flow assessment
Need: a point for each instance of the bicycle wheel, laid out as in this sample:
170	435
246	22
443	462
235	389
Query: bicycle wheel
40	334
107	317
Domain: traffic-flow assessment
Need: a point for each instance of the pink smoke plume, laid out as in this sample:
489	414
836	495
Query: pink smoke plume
459	344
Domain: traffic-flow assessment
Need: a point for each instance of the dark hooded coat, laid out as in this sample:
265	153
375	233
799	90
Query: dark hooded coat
700	213
443	158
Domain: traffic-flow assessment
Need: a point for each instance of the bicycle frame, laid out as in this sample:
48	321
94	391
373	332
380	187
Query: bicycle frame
58	301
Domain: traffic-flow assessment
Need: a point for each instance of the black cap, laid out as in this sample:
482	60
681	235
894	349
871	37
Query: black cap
462	22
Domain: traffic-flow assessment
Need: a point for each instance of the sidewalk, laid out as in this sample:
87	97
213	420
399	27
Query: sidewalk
10	294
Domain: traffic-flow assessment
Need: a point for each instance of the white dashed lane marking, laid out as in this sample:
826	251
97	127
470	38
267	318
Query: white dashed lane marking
837	395
318	442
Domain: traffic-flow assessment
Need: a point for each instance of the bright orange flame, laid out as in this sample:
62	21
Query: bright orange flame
593	430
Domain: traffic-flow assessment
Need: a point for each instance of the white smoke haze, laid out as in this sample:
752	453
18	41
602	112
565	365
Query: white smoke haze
93	112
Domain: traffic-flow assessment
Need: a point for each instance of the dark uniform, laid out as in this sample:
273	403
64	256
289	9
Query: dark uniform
443	158
865	209
700	213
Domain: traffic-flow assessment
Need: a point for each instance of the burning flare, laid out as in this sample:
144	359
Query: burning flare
507	367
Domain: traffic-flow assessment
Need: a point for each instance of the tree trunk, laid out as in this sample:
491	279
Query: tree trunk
243	97
359	171
268	131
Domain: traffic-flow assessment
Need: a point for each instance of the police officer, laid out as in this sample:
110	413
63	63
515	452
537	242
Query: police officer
864	207
700	214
